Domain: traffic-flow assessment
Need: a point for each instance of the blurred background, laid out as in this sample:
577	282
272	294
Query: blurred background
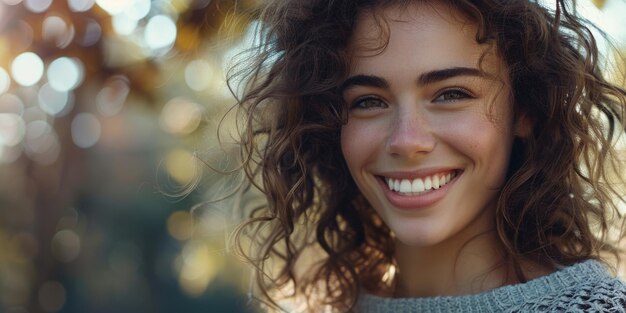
103	104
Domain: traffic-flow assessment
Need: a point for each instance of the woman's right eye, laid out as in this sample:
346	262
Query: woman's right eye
368	103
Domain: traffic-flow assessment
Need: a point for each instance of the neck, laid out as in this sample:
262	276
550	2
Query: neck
452	267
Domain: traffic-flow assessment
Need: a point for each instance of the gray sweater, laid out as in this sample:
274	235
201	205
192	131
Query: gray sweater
583	287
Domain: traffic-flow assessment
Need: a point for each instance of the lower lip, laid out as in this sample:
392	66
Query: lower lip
416	202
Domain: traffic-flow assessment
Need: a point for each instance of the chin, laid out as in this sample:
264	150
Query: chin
418	238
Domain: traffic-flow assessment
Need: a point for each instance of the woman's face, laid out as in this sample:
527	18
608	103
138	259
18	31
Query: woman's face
429	134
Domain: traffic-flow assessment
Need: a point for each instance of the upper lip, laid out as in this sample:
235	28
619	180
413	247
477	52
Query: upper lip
421	173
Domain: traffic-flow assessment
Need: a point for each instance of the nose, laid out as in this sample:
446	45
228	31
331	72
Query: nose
411	135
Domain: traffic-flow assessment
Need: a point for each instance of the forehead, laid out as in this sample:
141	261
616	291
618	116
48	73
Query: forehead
434	35
420	14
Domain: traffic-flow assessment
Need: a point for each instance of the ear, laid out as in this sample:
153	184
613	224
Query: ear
523	126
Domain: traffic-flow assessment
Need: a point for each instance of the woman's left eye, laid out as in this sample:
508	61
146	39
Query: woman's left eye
452	95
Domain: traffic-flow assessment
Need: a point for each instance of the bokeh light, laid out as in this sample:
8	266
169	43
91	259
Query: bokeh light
27	69
37	6
160	32
12	2
181	165
34	113
80	5
51	296
212	222
66	245
51	100
41	142
199	74
180	116
199	267
113	6
9	155
56	30
65	73
54	102
124	25
23	36
91	34
180	225
138	9
5	81
86	130
12	129
10	103
111	98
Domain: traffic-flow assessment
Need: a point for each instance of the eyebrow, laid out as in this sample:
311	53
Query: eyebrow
363	80
439	75
424	79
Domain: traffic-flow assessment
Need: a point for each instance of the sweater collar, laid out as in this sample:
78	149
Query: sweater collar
497	299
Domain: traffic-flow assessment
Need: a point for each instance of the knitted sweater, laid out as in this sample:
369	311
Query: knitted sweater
583	287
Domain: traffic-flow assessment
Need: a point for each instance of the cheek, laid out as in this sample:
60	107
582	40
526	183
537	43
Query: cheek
349	144
358	142
487	144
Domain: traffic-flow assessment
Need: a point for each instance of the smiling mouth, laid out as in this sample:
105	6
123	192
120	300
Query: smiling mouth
418	186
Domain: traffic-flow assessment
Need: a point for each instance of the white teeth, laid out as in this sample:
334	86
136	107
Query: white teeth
405	186
419	185
436	182
428	183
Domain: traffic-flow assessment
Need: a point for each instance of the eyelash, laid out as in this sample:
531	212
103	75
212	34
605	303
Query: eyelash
461	93
357	104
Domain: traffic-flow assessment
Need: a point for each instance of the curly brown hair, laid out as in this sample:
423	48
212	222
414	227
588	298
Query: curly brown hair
293	115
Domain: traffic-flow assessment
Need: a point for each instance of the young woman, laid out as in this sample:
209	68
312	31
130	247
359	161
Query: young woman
436	156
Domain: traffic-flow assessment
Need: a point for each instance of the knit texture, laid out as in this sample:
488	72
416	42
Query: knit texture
583	287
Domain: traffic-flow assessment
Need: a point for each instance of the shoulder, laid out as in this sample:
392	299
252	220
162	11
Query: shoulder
595	290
